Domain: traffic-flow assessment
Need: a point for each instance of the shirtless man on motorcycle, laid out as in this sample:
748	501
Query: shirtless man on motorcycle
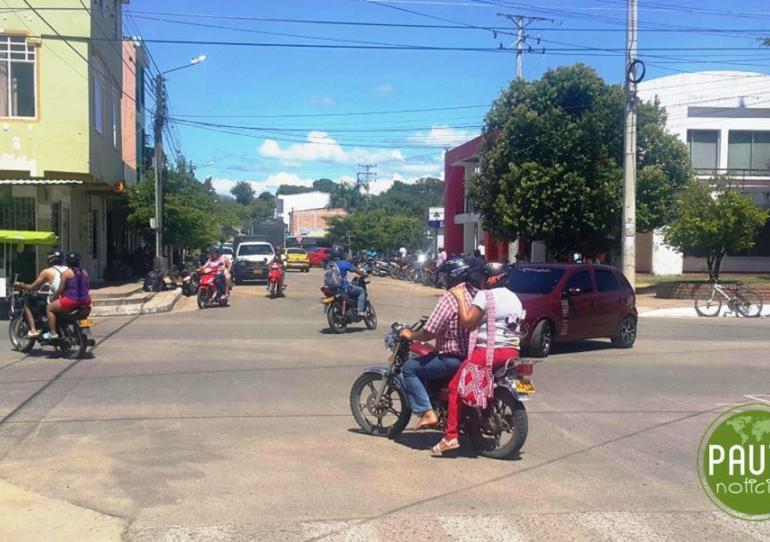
50	276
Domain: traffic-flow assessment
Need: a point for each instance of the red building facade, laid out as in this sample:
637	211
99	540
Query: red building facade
462	225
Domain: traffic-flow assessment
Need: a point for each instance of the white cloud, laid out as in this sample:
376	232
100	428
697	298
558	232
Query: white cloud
323	101
385	88
270	183
443	136
320	147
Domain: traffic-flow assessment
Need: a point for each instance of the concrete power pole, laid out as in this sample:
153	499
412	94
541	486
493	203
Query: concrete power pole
159	123
629	165
522	22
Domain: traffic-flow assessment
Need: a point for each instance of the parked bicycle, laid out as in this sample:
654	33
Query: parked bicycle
739	299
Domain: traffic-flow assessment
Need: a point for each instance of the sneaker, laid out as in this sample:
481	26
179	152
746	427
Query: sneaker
49	337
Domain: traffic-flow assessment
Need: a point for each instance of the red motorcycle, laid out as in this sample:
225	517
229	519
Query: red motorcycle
275	272
208	294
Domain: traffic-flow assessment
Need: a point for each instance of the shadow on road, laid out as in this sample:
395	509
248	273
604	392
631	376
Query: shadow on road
328	331
580	346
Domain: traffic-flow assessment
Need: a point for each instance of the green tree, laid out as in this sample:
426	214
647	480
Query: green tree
323	185
378	229
710	226
345	196
243	193
290	189
551	163
411	199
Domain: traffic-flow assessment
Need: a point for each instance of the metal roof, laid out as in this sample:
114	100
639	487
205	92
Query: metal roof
40	181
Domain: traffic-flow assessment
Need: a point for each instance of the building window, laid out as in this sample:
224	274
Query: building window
749	152
704	149
99	99
114	119
56	220
17	214
17	77
94	233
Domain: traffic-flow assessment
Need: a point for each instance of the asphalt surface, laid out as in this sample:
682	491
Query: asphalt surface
233	424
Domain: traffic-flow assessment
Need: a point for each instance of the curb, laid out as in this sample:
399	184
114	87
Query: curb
159	303
689	312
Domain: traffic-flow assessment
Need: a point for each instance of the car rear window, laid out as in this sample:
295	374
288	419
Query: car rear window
295	251
606	281
255	250
534	280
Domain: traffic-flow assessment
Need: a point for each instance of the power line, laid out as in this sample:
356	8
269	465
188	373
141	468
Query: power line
347	114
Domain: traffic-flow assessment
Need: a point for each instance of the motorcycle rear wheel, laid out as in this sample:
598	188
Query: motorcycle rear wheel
337	321
372	419
506	415
72	341
17	334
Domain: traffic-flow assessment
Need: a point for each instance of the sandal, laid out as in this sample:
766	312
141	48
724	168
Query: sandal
445	445
33	334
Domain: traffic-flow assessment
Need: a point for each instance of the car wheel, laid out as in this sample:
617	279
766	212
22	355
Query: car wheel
626	334
542	339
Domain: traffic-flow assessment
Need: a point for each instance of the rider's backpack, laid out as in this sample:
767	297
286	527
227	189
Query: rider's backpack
332	276
153	282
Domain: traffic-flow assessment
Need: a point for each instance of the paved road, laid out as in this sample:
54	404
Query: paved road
233	424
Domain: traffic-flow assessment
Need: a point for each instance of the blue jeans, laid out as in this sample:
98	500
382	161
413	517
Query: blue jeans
220	283
418	369
360	295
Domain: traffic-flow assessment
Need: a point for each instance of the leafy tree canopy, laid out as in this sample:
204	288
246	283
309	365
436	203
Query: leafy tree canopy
377	230
551	163
709	226
243	193
411	199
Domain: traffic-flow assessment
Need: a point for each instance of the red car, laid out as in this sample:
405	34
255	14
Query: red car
319	256
574	302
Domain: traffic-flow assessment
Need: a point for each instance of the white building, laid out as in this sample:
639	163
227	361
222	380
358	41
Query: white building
287	204
724	117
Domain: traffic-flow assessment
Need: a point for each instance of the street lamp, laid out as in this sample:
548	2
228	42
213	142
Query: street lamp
159	124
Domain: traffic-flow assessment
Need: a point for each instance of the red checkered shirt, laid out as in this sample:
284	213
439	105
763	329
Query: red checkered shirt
451	336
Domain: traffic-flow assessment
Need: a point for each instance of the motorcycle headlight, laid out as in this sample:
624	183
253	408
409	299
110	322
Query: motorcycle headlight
421	258
390	340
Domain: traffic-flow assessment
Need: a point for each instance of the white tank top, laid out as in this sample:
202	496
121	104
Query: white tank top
57	278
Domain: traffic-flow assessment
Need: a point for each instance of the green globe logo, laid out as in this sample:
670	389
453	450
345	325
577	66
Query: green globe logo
734	462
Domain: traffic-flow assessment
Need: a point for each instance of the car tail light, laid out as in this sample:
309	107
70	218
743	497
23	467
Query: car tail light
525	369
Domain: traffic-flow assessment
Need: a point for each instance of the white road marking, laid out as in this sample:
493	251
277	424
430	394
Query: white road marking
480	529
619	526
340	531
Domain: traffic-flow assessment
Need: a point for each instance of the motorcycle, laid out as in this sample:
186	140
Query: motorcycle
382	269
275	271
189	282
73	328
208	295
379	403
340	308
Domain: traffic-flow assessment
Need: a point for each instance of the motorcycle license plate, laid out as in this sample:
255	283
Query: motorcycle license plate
327	300
525	386
86	323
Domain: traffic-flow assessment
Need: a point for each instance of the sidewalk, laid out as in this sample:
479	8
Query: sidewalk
31	517
130	299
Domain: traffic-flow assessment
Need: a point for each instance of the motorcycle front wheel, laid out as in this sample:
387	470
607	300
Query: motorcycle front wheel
503	429
202	295
17	334
336	319
385	420
370	319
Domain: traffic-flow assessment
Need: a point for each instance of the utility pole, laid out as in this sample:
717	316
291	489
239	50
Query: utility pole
366	173
629	162
522	22
160	121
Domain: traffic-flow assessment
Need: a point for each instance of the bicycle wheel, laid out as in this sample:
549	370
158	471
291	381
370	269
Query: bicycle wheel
708	302
748	303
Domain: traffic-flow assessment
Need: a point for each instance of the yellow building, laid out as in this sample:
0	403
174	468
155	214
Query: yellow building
60	126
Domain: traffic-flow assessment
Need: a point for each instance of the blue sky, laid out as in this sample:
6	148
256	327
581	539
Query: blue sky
268	89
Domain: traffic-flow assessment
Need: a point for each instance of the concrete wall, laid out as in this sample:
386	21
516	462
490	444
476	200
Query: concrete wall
312	219
132	109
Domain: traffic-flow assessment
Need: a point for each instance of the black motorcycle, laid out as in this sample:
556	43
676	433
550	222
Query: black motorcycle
380	406
189	280
74	327
341	311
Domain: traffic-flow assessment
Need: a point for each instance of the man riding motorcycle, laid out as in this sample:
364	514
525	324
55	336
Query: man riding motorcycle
280	258
51	276
451	340
217	263
345	267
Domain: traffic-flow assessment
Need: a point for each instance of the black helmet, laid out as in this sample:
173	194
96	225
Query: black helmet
55	257
456	269
73	259
495	273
